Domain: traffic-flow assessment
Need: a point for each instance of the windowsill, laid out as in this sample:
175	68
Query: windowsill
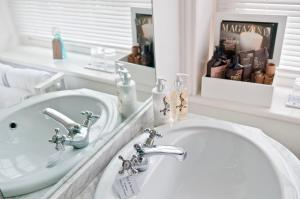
42	58
277	111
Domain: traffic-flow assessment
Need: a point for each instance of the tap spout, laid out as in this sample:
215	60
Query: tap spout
177	152
62	119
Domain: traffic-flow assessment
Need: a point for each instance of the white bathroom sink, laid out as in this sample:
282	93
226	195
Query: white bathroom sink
25	151
224	161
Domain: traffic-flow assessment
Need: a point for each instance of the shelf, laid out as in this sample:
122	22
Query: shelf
277	111
42	58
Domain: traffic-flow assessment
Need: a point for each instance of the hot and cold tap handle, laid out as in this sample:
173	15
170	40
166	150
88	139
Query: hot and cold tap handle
58	140
128	165
152	134
89	116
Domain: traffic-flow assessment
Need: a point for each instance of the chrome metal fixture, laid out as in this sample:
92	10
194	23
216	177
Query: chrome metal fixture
78	135
140	161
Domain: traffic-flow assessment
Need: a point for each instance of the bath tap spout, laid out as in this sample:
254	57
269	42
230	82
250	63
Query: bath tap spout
70	125
177	152
78	135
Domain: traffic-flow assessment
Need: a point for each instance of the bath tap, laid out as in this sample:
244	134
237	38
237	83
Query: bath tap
78	135
140	161
144	153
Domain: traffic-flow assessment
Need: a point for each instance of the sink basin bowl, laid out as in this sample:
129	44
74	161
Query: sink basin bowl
24	148
224	161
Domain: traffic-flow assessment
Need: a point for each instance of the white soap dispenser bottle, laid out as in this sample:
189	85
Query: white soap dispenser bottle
126	93
161	103
179	98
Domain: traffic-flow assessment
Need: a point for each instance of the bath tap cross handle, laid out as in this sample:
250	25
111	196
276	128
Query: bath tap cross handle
128	165
59	140
152	134
89	117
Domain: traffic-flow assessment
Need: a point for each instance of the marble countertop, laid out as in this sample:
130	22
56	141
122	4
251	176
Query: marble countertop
90	190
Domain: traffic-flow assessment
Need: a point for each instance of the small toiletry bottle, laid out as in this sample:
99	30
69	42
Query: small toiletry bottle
161	103
126	93
135	56
217	65
58	47
146	55
179	98
212	62
235	71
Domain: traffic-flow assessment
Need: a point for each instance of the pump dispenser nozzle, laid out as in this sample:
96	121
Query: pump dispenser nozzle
181	81
126	92
161	103
179	97
161	84
125	76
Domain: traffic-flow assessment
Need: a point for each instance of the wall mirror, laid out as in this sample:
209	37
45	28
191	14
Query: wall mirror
72	72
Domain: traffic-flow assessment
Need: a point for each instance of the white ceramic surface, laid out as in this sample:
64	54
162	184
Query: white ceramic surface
224	161
25	151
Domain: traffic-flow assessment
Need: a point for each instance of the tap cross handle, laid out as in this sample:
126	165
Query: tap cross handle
129	165
59	140
152	134
89	116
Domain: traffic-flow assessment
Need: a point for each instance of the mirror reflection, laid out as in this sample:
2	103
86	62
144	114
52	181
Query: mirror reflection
71	73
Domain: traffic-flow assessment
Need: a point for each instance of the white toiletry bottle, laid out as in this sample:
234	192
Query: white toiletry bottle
161	103
179	98
119	67
126	93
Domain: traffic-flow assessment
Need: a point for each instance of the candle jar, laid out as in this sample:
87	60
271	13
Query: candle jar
135	50
268	79
270	69
259	77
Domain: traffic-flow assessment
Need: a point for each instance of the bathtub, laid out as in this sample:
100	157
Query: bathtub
25	151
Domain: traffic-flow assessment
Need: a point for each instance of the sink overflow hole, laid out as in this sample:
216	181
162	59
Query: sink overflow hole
13	125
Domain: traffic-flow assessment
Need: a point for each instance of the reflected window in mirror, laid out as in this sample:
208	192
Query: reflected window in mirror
105	29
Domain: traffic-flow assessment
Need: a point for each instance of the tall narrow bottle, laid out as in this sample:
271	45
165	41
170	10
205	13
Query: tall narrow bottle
179	98
126	89
212	62
161	103
235	70
59	51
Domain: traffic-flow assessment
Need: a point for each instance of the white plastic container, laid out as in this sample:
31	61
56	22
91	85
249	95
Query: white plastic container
247	93
126	93
294	98
161	103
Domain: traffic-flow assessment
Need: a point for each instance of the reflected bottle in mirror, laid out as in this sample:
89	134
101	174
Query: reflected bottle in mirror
146	57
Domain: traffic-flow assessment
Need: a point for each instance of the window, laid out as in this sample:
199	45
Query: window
290	57
82	22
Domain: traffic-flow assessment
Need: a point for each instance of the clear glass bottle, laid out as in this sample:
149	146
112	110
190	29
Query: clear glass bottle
180	98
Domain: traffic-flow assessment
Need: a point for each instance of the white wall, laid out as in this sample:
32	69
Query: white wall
182	35
167	38
8	36
196	31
